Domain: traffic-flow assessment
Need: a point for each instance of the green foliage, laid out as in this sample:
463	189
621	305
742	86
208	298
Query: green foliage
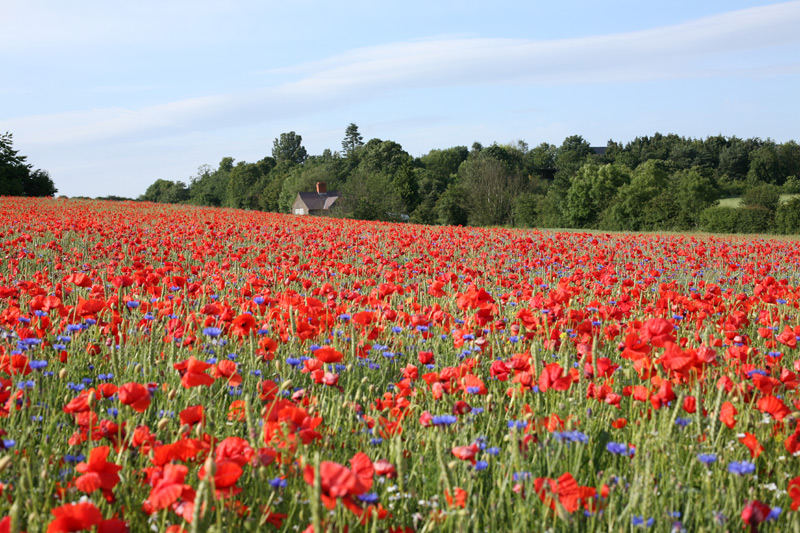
526	209
765	165
352	141
763	195
695	189
632	206
787	217
166	192
792	185
572	153
369	196
736	219
241	191
451	208
17	177
591	190
289	148
489	186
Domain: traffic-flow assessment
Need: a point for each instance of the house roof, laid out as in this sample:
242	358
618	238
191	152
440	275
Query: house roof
315	200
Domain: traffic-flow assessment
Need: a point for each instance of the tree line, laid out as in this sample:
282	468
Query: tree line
658	182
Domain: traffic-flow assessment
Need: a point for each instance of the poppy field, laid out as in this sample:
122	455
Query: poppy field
177	368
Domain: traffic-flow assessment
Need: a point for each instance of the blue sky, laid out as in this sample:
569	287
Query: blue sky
109	96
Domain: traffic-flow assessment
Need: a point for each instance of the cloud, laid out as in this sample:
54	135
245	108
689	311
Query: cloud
688	50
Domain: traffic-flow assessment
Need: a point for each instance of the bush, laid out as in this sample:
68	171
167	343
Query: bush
792	185
787	217
736	219
764	195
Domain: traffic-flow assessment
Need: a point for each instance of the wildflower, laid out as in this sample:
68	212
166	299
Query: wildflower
619	448
707	458
741	467
212	332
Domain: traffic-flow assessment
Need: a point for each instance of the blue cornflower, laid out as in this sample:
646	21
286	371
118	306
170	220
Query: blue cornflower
741	467
38	365
683	422
212	332
481	465
571	436
444	420
277	483
707	458
133	304
519	424
619	448
370	497
494	450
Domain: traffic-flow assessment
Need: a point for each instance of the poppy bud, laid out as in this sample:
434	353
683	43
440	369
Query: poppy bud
172	393
90	399
4	462
162	423
62	373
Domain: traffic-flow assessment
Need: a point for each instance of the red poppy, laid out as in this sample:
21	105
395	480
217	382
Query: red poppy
136	395
727	413
74	517
192	415
98	473
326	354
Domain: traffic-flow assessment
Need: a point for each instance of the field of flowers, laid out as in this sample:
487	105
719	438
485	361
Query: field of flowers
169	368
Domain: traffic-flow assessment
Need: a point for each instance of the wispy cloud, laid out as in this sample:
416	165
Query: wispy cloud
698	48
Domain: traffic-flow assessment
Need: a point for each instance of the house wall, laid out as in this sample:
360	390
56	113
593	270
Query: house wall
299	207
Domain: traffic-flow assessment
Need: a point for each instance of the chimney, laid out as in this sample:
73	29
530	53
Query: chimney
321	188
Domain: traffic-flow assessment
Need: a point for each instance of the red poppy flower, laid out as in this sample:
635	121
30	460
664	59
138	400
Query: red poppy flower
727	413
74	517
192	415
326	354
98	473
136	395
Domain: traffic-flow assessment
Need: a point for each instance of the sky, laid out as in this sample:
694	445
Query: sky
110	96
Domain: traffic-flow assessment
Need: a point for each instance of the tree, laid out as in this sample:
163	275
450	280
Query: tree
696	190
242	192
442	166
17	177
765	165
787	218
352	140
289	147
645	203
571	155
764	195
591	191
166	192
39	184
490	188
